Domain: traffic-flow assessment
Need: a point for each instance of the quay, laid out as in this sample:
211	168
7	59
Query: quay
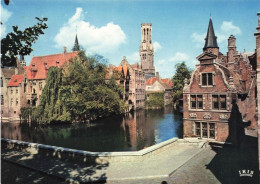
158	161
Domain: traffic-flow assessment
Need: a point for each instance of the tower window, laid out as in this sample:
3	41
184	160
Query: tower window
207	79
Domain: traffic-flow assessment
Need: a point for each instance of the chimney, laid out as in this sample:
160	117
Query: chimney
64	49
157	76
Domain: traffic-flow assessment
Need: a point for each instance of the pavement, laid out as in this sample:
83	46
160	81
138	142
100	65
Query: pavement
180	164
155	167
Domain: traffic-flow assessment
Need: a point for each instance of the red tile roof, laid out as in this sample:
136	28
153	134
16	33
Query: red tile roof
39	65
16	80
152	80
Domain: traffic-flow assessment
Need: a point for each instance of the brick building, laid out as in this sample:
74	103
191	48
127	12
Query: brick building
36	73
146	50
132	78
219	102
158	85
12	96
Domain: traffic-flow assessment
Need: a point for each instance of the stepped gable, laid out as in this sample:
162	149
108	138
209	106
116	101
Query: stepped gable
39	65
15	80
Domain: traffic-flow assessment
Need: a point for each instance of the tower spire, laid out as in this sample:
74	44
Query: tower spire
76	44
211	39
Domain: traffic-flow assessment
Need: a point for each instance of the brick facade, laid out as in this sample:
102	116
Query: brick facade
219	102
132	78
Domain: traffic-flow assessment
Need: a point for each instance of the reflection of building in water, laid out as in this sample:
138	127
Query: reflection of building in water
139	129
11	131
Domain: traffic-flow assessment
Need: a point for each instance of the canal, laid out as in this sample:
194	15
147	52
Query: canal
130	132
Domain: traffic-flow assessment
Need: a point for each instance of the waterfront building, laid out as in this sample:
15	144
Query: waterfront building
36	73
146	50
132	78
220	100
158	85
12	96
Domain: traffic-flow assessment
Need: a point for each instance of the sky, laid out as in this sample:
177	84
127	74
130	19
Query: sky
112	28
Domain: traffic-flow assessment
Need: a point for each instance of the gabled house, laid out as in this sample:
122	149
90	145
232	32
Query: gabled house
36	73
158	85
219	102
132	78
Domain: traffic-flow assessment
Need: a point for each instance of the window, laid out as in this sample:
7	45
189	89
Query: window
1	82
16	91
205	130
11	102
196	102
2	99
219	102
11	91
207	79
17	101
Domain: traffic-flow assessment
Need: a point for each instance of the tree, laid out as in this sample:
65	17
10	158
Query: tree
182	73
20	42
79	92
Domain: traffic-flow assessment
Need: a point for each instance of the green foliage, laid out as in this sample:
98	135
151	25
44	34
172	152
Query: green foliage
20	42
79	92
28	113
182	73
155	100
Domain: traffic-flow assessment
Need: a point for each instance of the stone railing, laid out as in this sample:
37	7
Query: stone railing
85	156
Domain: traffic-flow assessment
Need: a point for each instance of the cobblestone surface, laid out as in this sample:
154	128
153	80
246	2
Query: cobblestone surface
13	174
213	165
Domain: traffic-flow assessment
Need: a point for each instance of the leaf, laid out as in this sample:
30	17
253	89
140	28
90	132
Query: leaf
7	2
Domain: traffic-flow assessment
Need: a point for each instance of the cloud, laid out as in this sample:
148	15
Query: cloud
101	40
135	57
179	56
162	61
229	28
198	37
226	29
156	46
5	15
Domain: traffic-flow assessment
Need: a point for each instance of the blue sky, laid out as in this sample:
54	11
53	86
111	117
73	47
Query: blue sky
112	28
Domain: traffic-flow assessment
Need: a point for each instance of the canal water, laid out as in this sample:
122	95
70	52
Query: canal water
133	131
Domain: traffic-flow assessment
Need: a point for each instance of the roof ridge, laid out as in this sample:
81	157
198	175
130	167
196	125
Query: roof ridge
54	54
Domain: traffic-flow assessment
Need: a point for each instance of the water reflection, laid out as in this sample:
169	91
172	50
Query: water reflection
134	131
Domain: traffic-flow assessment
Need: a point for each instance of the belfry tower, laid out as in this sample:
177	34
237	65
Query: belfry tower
146	50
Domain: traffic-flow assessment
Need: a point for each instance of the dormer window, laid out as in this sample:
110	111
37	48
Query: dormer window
207	79
57	62
33	64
